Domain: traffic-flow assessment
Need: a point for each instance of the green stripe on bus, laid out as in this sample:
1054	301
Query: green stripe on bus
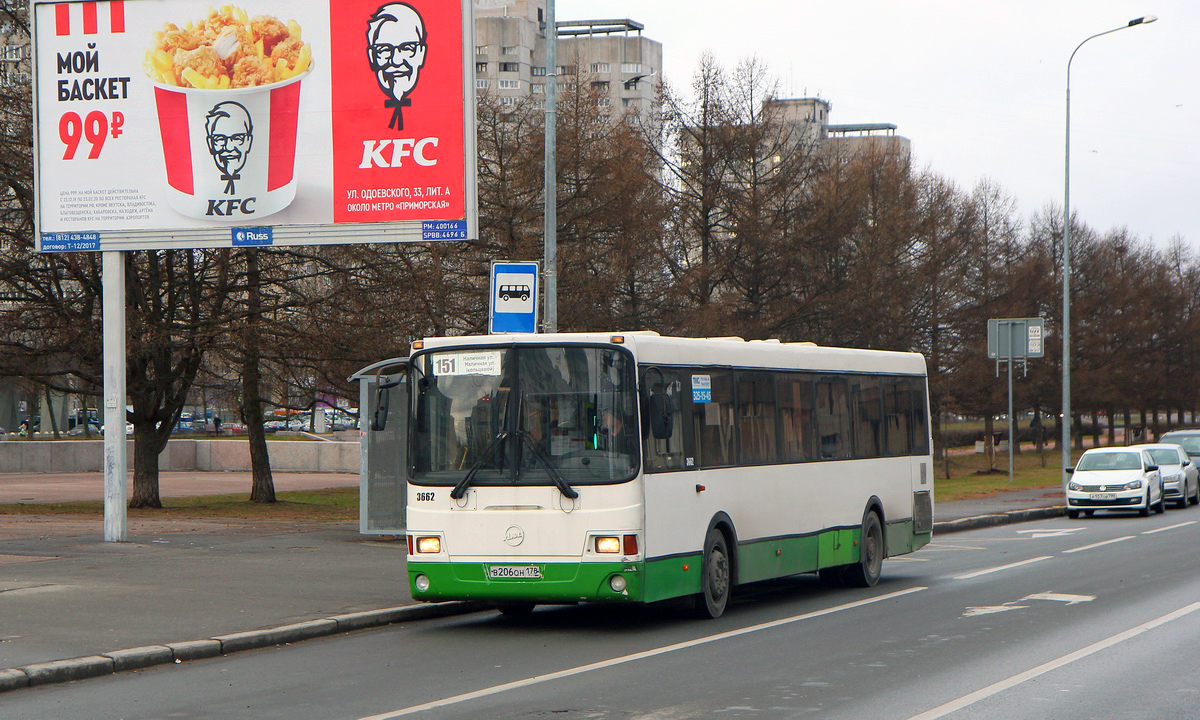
560	582
655	579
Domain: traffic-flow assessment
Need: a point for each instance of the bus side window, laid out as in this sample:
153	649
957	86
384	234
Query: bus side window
667	453
756	418
796	417
713	420
866	391
920	421
897	408
833	417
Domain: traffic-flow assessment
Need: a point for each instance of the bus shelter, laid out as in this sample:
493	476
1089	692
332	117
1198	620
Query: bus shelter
383	404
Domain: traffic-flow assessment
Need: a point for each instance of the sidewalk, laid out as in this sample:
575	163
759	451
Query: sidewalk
73	606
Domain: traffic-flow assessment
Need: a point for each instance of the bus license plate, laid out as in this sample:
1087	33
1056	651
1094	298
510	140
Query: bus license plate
514	572
1102	496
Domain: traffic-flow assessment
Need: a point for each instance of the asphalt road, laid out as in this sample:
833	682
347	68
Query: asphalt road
1094	618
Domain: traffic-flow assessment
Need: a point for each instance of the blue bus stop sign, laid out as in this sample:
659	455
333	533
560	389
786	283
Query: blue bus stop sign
514	298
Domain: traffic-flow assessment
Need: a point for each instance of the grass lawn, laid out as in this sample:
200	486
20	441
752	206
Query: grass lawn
970	476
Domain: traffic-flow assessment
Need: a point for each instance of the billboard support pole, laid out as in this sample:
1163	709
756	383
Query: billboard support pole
550	261
113	268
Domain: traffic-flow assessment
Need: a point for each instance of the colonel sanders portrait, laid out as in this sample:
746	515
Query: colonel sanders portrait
396	48
230	135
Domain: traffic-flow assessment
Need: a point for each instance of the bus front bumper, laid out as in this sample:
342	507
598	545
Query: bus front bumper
540	582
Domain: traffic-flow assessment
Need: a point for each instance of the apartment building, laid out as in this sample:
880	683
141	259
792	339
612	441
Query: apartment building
810	117
612	57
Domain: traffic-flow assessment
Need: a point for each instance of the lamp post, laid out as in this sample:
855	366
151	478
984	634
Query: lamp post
1066	260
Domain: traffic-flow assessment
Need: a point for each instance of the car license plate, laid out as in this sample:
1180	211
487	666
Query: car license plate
1102	496
514	572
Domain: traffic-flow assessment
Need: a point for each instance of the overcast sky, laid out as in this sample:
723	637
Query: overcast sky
980	88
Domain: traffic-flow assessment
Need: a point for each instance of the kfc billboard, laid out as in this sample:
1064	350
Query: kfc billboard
170	124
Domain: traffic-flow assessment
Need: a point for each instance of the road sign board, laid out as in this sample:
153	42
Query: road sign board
1016	338
514	295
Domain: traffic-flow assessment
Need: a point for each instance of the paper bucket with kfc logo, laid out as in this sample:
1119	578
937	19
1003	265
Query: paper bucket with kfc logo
227	94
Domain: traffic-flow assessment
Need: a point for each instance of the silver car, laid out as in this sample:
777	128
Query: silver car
1181	484
1114	478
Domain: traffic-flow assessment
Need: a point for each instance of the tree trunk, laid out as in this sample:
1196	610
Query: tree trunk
262	489
1112	428
145	469
989	441
1039	434
51	413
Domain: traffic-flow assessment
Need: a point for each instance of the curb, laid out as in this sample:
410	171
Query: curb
58	671
1013	516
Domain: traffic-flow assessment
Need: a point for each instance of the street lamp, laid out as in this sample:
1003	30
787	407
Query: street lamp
1066	260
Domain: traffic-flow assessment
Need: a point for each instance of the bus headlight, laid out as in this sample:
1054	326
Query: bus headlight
429	545
617	583
611	545
422	583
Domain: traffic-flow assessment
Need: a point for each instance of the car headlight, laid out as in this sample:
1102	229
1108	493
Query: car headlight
1135	485
1074	486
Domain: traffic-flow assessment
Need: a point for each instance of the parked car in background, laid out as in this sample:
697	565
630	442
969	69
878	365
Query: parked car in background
90	428
1181	480
1114	478
1189	440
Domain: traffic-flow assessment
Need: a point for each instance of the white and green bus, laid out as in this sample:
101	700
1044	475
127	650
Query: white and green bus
633	467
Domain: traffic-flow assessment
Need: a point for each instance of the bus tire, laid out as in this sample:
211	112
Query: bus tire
716	576
866	572
515	609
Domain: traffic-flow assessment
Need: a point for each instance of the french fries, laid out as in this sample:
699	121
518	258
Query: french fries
228	49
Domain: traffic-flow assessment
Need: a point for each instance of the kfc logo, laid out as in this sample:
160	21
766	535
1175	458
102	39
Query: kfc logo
396	48
230	136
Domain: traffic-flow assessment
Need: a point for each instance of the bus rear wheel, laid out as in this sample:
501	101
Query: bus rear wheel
866	572
715	576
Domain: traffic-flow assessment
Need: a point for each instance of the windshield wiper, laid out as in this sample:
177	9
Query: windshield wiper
461	488
540	454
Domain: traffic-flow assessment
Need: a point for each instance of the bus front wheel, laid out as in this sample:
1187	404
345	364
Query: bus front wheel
716	575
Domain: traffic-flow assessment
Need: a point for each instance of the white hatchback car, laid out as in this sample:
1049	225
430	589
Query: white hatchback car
1114	478
1179	474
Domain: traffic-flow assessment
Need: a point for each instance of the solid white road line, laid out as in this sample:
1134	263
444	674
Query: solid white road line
972	698
1170	527
1096	545
989	571
537	679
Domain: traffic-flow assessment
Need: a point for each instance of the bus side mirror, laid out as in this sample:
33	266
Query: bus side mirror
382	401
662	420
382	398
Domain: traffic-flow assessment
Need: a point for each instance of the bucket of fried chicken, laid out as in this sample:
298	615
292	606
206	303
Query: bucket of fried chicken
227	92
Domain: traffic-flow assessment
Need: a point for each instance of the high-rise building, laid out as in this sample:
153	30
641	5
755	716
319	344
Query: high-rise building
14	53
611	56
810	116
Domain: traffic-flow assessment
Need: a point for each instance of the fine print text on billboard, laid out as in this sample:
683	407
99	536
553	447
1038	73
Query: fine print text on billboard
170	124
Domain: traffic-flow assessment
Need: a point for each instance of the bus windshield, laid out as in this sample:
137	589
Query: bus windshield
530	415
